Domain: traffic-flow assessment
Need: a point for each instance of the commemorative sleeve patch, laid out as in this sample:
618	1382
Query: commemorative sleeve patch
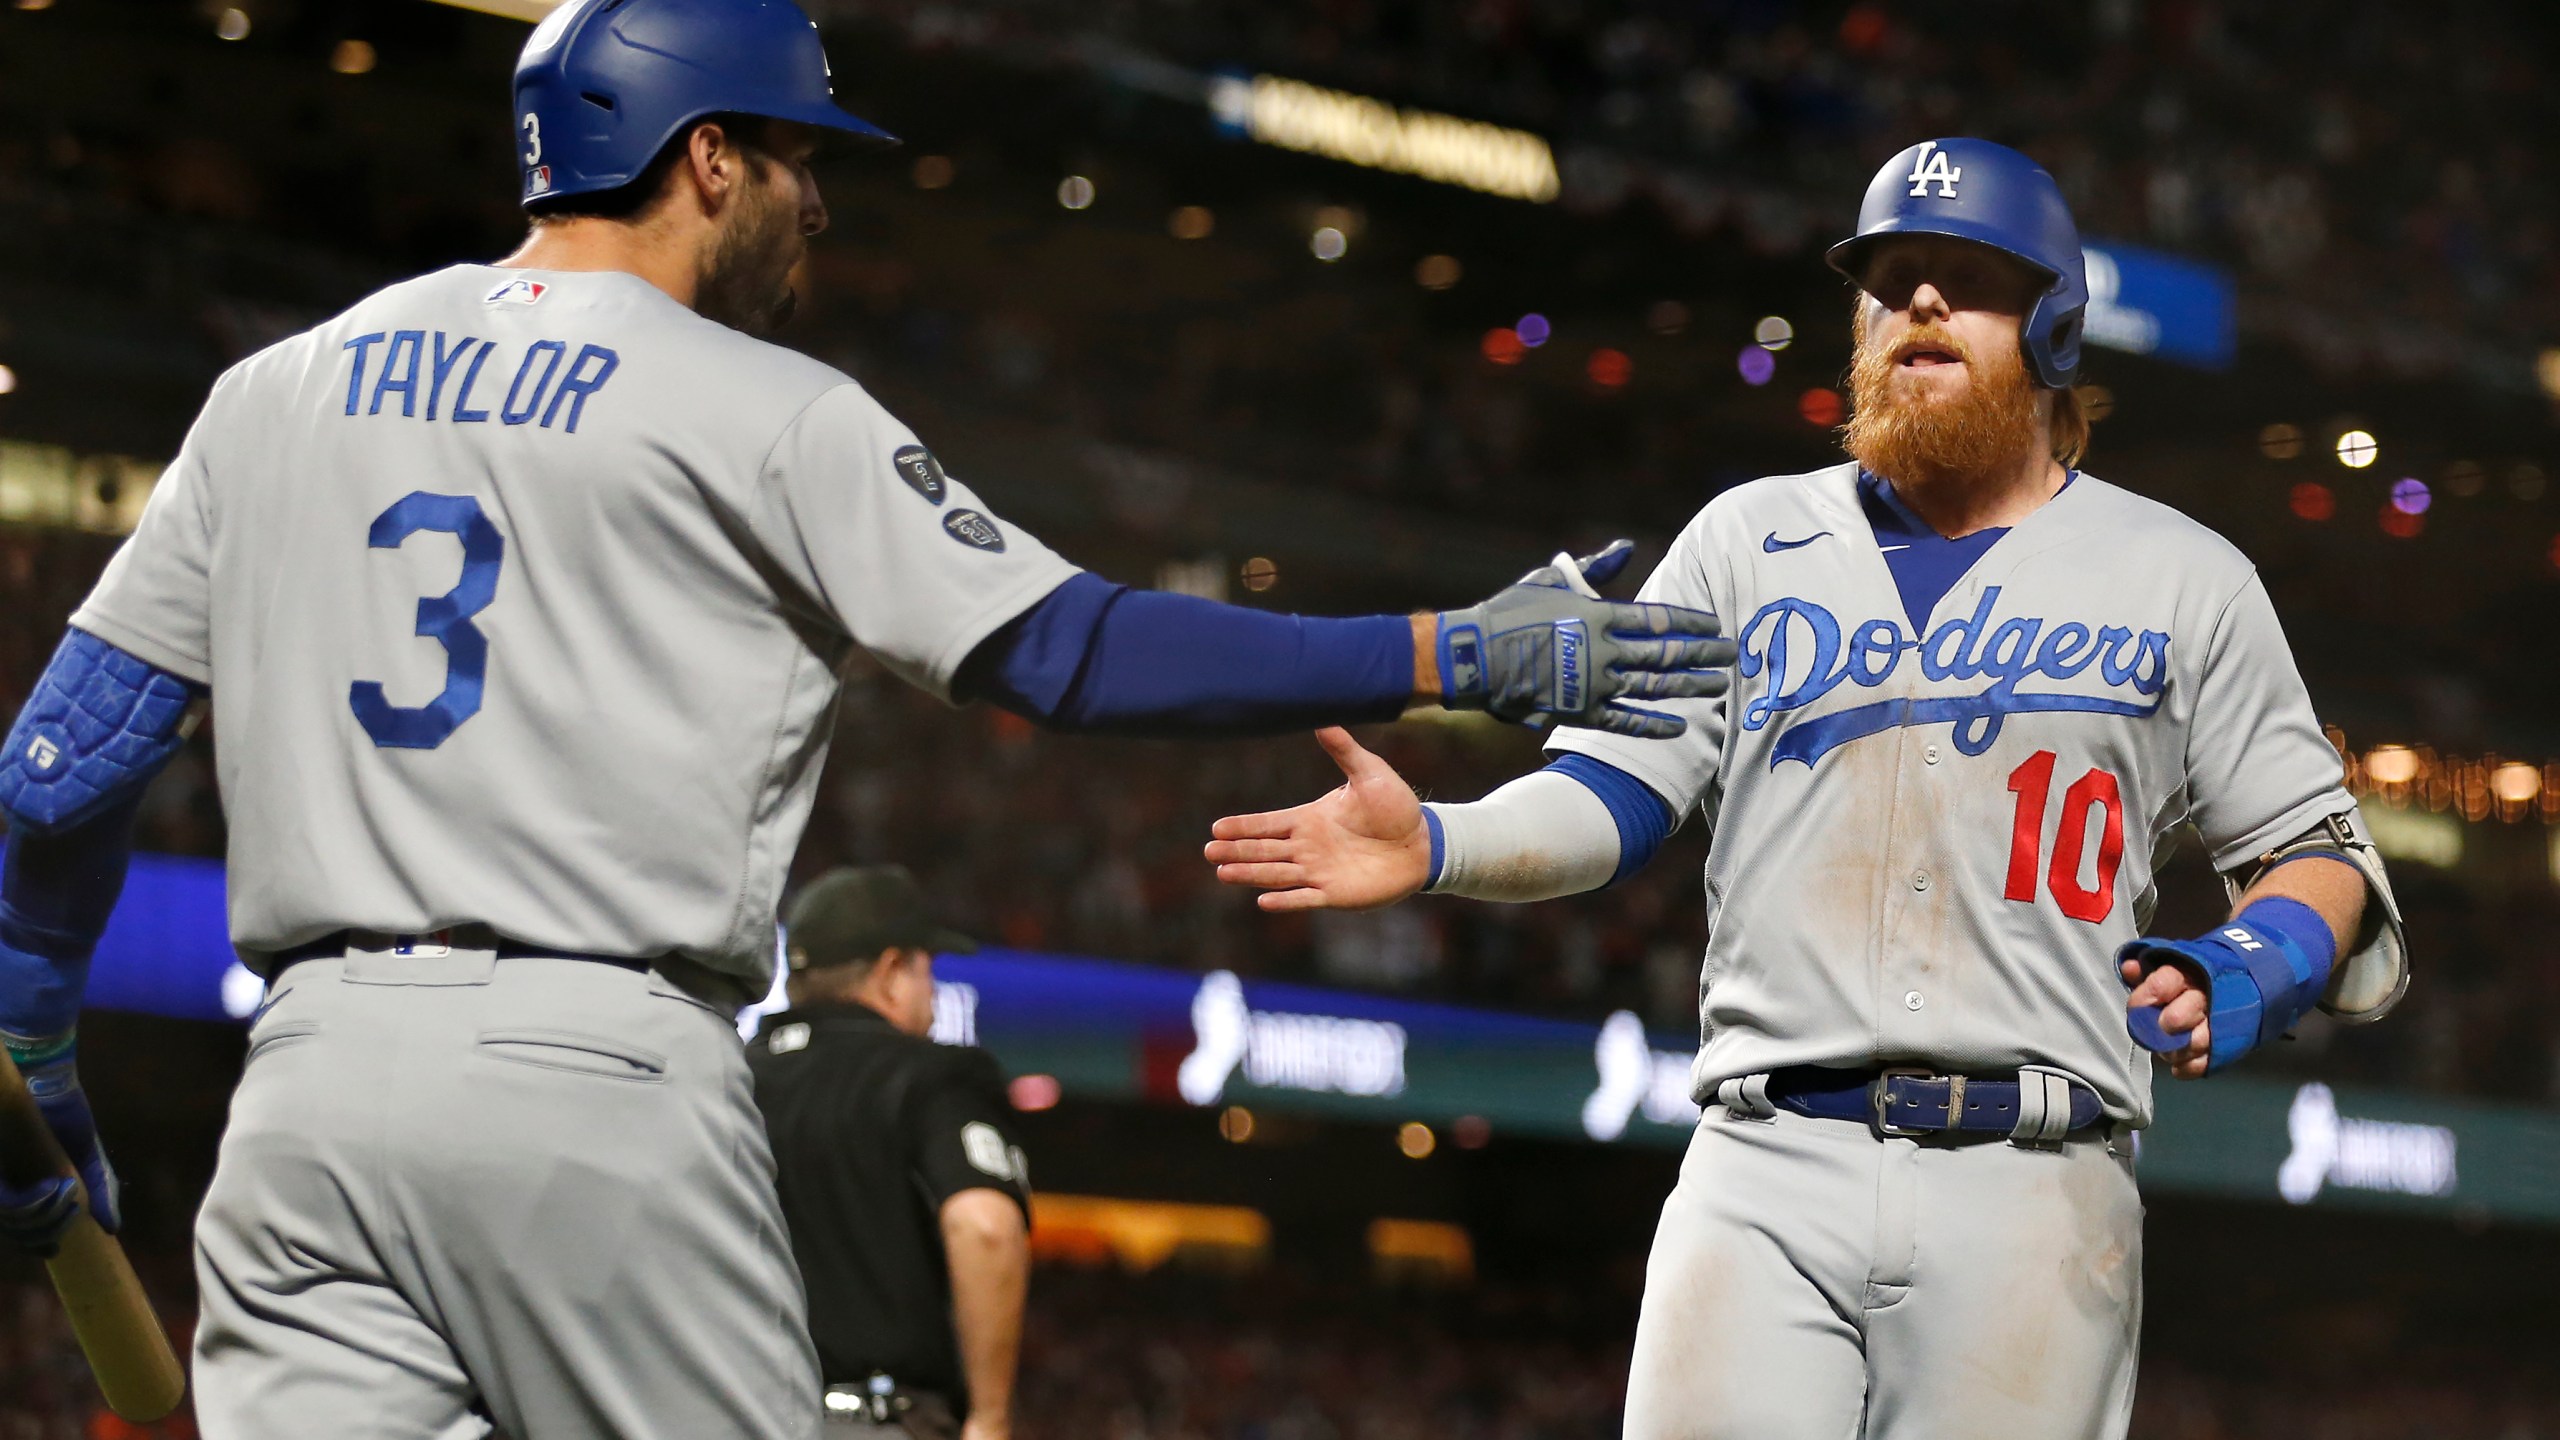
923	474
974	530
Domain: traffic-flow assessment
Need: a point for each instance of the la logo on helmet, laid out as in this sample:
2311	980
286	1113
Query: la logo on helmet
1932	166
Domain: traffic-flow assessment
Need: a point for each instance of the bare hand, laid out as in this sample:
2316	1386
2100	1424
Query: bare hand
1360	847
2184	1006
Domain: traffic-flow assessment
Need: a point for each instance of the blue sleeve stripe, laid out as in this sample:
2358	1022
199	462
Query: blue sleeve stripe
1644	817
1439	847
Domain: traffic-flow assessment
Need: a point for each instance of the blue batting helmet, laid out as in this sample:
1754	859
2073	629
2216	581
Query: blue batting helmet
603	85
1992	195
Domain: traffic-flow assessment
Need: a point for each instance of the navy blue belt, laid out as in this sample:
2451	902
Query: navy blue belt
1910	1102
460	937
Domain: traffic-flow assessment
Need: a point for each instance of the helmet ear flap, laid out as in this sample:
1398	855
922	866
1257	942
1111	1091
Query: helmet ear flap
2050	336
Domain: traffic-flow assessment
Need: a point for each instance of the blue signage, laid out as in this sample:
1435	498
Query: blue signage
2153	304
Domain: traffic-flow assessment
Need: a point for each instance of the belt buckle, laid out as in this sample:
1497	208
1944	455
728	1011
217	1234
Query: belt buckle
1880	1103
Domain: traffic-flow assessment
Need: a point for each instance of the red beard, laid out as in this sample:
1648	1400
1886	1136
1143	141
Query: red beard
1926	438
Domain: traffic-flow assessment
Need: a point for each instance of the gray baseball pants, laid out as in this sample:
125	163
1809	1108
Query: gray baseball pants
1810	1281
461	1192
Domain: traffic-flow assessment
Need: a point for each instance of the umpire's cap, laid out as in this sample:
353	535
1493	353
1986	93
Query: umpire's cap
603	85
853	912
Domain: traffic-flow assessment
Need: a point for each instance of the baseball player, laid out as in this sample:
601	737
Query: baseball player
1977	690
520	593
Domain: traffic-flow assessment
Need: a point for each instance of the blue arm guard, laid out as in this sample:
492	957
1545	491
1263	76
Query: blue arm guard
100	724
2262	971
1103	658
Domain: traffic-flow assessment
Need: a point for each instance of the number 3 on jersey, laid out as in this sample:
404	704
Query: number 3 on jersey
445	619
2032	783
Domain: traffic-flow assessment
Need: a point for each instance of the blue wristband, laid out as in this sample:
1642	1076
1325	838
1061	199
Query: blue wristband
1439	847
2262	970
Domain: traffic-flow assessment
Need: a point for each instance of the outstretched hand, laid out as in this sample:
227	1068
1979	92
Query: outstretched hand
1360	847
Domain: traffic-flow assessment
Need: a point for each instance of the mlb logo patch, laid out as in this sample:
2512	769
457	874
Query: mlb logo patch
537	181
519	292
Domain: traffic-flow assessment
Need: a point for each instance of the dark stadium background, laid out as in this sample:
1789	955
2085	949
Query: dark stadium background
1231	414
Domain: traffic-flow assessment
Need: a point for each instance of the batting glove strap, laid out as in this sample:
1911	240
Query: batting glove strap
2262	971
1538	650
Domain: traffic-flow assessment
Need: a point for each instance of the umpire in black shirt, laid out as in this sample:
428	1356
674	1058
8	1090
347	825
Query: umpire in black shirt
908	1199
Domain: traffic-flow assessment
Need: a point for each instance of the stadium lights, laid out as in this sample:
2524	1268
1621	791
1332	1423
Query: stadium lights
8	380
1328	244
1191	222
527	10
1075	193
1371	133
2280	441
1774	332
2357	449
933	172
353	57
1034	1092
232	24
1438	272
2391	765
35	4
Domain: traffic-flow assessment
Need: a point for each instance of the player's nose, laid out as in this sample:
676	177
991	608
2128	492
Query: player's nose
813	209
1928	302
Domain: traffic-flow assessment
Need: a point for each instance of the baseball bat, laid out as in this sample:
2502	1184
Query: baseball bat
128	1351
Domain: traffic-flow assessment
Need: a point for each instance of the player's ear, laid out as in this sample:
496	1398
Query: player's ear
714	163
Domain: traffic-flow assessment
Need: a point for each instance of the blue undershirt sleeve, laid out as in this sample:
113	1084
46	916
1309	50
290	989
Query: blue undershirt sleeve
1644	817
1095	657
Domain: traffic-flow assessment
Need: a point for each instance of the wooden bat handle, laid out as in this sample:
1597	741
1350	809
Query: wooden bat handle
128	1351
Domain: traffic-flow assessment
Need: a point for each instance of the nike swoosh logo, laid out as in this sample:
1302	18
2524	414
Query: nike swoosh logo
1889	549
1773	544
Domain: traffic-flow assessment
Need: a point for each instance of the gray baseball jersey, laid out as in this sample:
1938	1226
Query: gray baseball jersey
523	596
1930	839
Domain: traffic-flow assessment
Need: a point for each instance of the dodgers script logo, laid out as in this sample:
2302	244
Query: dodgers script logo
1800	647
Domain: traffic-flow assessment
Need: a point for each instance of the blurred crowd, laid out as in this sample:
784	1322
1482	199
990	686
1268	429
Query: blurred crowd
1274	1356
2370	148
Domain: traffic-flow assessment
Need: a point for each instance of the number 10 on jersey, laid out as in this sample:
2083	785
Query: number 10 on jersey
2032	783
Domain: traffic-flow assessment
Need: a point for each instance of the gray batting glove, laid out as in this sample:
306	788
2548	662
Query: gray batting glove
1549	649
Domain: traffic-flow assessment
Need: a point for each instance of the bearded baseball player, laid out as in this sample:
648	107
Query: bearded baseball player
1978	688
521	594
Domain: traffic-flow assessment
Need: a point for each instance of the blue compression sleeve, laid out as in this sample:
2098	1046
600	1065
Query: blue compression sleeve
1644	818
1099	657
56	892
